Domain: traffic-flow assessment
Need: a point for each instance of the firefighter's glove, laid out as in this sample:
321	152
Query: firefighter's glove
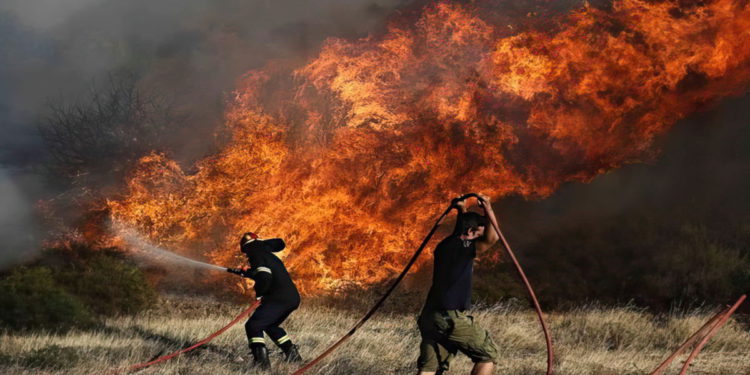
238	271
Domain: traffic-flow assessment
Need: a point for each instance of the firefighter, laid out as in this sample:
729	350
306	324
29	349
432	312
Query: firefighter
445	327
278	295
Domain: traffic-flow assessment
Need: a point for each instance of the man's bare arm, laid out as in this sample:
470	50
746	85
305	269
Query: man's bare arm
490	235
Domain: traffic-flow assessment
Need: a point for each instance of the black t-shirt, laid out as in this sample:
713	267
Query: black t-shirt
263	263
451	278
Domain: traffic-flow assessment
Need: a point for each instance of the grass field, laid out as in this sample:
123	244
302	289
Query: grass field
588	341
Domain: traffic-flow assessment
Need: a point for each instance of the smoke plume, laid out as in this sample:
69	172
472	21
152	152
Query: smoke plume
17	229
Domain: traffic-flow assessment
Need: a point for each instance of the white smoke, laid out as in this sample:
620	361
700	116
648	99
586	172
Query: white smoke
44	14
16	224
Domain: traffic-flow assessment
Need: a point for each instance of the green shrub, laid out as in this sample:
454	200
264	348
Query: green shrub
69	286
30	298
647	260
693	267
105	281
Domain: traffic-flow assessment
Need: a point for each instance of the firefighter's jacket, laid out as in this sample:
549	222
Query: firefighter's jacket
272	280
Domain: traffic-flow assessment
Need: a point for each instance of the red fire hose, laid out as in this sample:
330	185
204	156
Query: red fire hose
701	332
532	295
408	266
239	317
702	335
710	334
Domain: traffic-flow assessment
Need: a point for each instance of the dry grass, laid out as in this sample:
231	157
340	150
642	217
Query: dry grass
588	341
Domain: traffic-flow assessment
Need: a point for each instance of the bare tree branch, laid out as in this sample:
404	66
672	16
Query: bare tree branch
91	143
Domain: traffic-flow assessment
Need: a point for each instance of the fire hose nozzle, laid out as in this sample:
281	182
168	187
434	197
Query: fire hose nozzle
236	271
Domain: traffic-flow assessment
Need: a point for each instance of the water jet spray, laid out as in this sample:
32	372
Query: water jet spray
146	249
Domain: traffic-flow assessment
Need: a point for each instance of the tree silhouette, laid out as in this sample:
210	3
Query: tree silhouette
92	143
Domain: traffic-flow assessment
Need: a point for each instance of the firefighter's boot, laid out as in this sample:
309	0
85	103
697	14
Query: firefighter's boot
260	357
292	354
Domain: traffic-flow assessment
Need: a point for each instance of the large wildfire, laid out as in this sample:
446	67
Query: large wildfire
350	157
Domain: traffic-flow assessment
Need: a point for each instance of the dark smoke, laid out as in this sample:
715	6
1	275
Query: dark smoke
700	173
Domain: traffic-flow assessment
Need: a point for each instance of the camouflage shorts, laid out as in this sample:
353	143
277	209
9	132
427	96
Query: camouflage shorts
445	333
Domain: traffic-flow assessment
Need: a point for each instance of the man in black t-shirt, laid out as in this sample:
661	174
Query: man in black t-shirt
443	324
278	294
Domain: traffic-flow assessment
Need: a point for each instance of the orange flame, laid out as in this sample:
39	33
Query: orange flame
348	157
